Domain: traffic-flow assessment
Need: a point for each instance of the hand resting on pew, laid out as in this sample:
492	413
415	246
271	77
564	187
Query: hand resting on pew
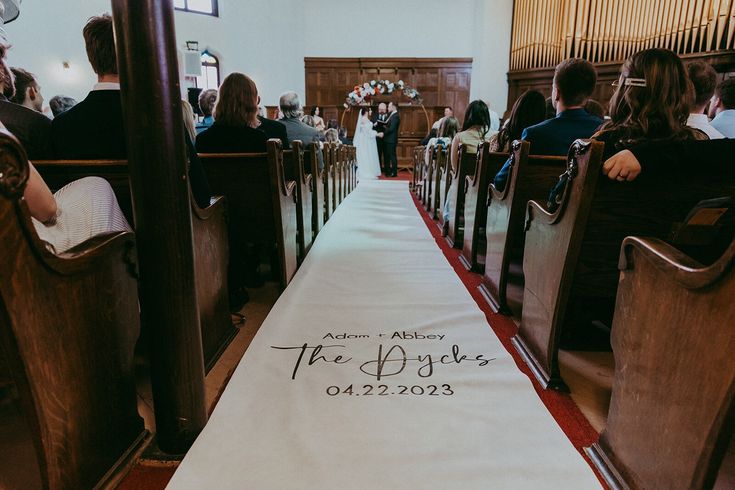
622	166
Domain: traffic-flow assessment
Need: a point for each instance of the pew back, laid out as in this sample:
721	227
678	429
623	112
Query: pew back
68	328
211	244
570	258
672	410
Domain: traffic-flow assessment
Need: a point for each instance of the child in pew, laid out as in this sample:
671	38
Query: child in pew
651	102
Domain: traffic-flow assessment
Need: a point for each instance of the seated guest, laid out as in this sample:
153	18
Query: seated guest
94	127
333	124
343	137
448	129
574	81
290	107
27	90
529	109
61	103
651	103
235	119
207	99
704	79
448	112
595	108
723	107
433	133
476	129
332	136
309	121
318	121
32	128
78	211
188	113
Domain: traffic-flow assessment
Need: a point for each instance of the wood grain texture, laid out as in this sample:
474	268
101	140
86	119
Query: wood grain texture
211	244
673	369
68	327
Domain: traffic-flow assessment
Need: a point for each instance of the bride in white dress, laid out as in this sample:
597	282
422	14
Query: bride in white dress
368	163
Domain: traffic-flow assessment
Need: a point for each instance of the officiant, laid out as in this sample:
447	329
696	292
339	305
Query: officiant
379	126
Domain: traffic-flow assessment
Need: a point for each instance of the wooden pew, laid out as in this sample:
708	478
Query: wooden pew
68	328
417	164
304	199
439	166
431	194
466	163
330	155
475	207
262	202
672	411
530	178
211	244
570	258
319	189
444	179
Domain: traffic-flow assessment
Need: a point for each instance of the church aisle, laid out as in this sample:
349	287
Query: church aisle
376	367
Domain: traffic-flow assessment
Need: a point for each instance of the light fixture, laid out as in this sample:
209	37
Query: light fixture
65	64
192	45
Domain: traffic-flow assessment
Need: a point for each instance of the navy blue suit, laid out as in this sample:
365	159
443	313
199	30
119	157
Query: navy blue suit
555	136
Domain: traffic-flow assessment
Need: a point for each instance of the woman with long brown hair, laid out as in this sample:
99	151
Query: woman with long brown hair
235	119
651	103
529	109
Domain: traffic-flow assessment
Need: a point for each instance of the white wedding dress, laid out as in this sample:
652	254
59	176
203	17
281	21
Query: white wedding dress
368	163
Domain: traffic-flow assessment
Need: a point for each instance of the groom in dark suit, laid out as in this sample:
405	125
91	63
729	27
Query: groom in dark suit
390	140
379	127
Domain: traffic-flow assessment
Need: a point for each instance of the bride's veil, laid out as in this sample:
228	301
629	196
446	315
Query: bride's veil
358	128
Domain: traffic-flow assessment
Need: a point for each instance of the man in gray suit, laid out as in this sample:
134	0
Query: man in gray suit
296	130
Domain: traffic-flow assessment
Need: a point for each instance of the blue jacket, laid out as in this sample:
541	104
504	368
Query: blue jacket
554	136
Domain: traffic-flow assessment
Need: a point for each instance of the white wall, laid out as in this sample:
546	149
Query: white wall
268	39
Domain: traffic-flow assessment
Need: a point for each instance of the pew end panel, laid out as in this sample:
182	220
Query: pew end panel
475	207
553	243
212	257
304	200
443	187
68	328
498	216
284	204
318	187
464	166
530	177
673	343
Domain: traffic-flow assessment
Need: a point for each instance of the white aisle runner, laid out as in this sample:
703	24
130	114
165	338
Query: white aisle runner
376	368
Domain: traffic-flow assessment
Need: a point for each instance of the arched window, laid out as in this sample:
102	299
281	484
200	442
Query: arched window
210	72
208	7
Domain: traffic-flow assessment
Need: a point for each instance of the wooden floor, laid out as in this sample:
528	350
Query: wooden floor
255	311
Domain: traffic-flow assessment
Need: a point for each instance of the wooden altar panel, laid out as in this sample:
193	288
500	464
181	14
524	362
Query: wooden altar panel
442	82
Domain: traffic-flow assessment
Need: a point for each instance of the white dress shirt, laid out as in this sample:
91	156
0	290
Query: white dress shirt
724	122
701	122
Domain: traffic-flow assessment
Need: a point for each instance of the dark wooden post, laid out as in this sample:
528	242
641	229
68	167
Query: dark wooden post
149	76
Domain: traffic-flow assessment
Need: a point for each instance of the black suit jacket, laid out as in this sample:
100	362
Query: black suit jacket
231	139
390	134
32	128
92	129
274	129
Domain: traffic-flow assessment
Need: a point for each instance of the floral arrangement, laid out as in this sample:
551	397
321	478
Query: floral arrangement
362	94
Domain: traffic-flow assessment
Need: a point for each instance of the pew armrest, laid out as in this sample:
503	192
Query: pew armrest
689	273
215	208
